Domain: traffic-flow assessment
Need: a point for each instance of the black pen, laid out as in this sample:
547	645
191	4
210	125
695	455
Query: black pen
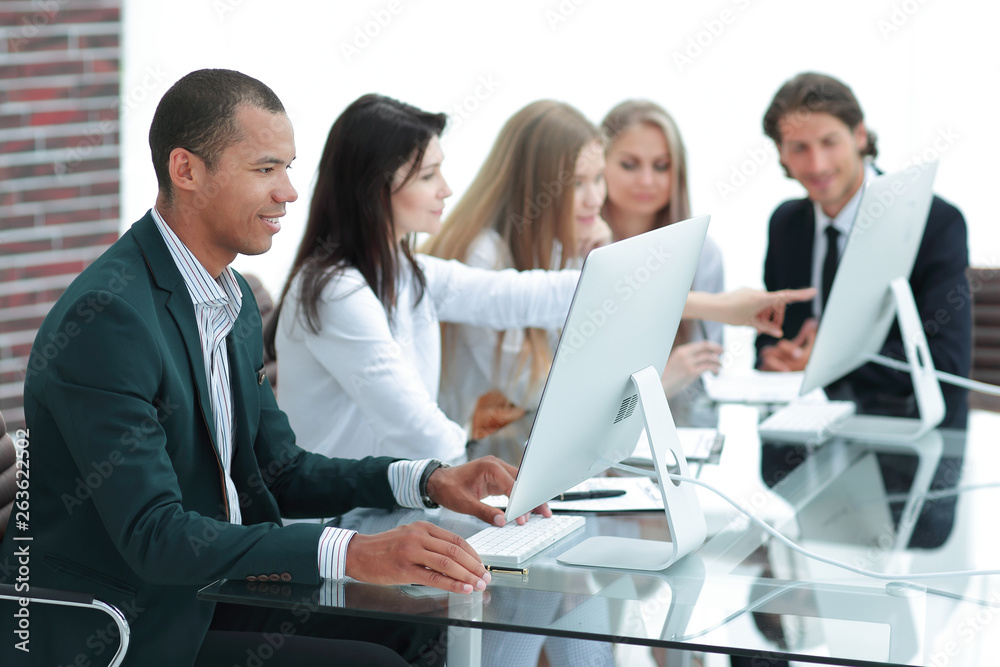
590	495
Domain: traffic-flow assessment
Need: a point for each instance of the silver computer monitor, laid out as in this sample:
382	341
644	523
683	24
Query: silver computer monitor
870	291
604	387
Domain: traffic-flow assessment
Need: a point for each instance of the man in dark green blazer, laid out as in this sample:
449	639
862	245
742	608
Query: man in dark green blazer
134	496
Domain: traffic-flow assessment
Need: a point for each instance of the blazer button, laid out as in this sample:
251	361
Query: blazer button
274	577
251	578
261	577
286	577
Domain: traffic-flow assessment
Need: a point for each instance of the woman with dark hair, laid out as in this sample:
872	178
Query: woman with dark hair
357	336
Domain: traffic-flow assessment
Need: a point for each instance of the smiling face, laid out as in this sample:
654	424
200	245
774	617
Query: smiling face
236	206
638	172
589	187
823	154
417	204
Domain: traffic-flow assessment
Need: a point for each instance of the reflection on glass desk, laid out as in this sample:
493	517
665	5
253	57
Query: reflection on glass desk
744	593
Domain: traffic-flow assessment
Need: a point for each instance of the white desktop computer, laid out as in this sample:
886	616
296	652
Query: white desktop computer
870	291
604	389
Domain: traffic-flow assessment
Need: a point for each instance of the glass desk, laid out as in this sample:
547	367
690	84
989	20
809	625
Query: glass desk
890	510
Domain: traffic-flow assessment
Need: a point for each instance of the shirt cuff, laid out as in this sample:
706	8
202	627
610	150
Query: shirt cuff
404	479
333	552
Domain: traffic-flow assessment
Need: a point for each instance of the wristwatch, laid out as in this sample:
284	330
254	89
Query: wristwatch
424	477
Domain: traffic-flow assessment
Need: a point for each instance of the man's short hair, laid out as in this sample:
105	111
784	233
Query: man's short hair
811	92
198	113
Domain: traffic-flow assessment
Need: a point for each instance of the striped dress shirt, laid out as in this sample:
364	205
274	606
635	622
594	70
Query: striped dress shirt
217	303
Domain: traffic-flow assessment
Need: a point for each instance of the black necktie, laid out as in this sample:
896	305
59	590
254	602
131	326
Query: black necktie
830	263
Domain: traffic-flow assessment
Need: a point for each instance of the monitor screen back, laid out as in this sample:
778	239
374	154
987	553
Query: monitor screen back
882	246
623	318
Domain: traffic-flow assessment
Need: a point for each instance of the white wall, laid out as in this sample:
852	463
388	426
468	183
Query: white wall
924	72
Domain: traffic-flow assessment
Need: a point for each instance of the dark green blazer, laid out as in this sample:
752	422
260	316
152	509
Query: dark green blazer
126	484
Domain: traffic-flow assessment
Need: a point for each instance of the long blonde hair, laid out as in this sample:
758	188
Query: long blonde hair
524	192
634	112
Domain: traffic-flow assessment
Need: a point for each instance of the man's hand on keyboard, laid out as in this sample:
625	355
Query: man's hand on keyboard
417	553
422	553
462	488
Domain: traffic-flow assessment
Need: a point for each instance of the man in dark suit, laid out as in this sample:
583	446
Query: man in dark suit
823	143
159	460
818	128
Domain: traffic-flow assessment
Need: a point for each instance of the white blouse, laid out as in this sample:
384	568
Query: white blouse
368	386
473	369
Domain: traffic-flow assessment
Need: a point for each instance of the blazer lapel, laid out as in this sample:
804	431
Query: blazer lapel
806	234
180	308
246	399
179	305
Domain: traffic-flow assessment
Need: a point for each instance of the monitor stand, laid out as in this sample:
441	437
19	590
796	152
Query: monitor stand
685	518
927	389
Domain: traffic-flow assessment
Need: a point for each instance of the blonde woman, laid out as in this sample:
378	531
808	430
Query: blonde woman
538	194
646	177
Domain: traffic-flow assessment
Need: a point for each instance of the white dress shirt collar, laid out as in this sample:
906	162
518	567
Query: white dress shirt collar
205	290
845	218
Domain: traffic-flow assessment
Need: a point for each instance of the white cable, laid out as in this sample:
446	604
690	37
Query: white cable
757	604
942	493
823	559
957	380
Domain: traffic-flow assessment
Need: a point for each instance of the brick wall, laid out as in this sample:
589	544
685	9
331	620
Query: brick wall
59	163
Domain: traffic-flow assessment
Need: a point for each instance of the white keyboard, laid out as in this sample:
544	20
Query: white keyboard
807	423
513	544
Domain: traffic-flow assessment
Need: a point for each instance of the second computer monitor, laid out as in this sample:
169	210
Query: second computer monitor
871	290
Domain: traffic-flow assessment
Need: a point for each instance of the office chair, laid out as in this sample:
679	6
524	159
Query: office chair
985	286
8	493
